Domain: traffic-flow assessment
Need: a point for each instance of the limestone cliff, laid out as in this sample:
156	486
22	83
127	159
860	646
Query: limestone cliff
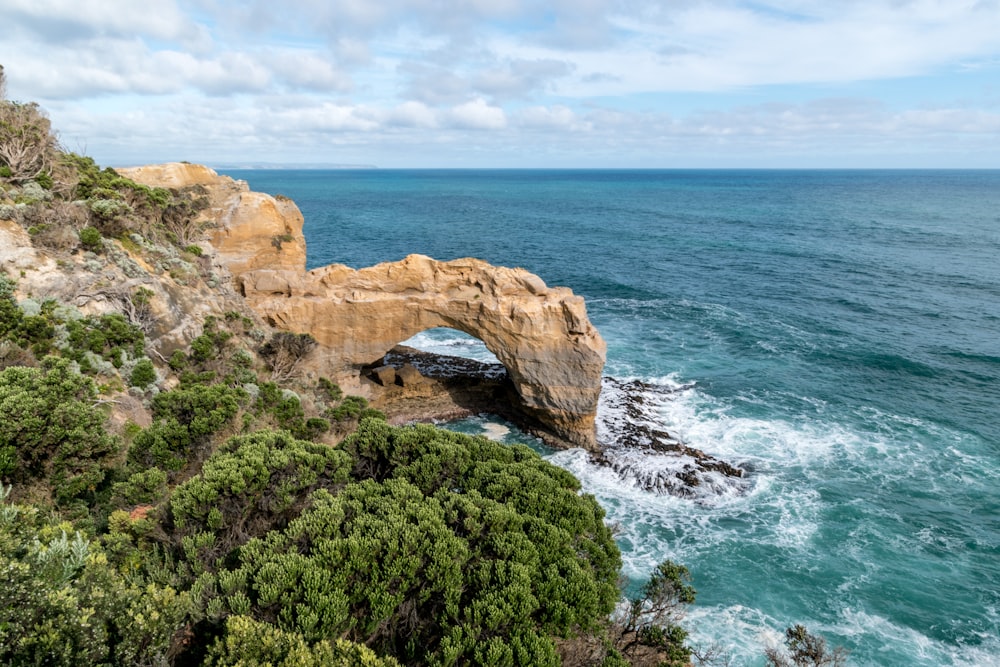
542	335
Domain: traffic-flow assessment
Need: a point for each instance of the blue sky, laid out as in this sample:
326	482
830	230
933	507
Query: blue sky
514	83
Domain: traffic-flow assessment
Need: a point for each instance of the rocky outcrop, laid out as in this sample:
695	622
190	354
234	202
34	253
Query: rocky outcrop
249	230
554	356
542	335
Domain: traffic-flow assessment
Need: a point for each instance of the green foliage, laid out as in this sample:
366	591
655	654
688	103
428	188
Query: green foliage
653	618
90	238
279	239
185	420
330	390
195	250
349	408
146	486
56	431
109	336
211	343
178	360
249	642
253	484
143	375
61	603
449	549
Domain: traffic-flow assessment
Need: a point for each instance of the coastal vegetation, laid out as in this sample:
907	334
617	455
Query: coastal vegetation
212	504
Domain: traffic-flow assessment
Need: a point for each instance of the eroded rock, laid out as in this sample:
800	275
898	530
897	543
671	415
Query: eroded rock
542	335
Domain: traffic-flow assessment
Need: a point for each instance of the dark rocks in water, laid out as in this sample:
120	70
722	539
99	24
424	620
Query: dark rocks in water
634	444
629	427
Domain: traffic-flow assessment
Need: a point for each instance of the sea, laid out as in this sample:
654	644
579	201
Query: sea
836	334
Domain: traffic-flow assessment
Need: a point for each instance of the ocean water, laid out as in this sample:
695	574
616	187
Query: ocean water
835	333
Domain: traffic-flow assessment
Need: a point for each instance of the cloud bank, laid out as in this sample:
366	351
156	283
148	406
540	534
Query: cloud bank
515	83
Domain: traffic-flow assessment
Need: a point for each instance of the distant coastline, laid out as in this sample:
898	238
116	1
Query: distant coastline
292	166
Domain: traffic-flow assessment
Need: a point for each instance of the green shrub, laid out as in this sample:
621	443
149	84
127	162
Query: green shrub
349	408
804	649
195	250
449	550
249	642
253	484
330	390
177	361
62	604
185	420
144	487
58	434
143	375
90	238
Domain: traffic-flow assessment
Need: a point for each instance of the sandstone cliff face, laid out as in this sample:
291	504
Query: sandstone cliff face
250	230
542	335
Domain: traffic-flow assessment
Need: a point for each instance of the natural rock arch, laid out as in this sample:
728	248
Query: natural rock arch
554	356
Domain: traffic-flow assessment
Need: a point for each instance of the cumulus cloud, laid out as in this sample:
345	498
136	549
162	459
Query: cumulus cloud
477	115
412	114
595	78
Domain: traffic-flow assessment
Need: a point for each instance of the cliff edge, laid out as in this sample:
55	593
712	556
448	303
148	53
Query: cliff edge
553	354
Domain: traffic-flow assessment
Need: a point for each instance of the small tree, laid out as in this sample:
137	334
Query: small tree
3	84
653	619
28	149
284	352
803	649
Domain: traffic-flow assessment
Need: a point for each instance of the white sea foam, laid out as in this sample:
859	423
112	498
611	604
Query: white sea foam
782	510
451	342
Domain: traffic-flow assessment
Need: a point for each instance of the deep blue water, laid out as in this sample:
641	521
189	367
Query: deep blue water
842	333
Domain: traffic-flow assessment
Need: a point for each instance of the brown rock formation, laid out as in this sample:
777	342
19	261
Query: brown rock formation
554	356
252	230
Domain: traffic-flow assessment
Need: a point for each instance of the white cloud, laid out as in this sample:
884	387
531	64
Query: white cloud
593	79
477	115
550	118
412	114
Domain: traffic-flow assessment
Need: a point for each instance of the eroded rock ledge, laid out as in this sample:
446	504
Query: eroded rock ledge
542	335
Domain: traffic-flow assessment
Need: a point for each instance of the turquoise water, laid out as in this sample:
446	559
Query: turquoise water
837	333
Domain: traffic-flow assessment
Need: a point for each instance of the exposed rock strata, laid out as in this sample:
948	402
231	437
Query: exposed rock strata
541	335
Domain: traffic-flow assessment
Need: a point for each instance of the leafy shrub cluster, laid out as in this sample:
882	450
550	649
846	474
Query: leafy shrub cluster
63	603
444	549
52	431
99	344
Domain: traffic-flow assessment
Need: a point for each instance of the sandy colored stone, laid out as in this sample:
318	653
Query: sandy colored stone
385	375
409	376
542	335
250	230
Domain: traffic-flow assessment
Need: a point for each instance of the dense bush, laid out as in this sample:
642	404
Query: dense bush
249	642
253	484
451	549
185	419
143	374
55	430
61	603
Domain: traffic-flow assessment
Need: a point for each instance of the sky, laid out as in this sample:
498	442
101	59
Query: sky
514	83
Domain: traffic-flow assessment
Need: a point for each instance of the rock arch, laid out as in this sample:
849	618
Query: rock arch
541	335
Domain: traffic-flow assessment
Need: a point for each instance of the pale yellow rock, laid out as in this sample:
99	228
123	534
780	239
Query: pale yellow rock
250	230
542	335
